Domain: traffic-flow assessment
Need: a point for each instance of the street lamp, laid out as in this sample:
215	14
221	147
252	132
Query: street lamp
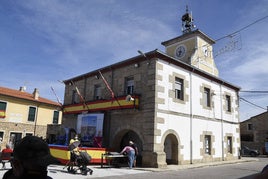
140	52
143	54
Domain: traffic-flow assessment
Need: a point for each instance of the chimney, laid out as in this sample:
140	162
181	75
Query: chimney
22	89
36	94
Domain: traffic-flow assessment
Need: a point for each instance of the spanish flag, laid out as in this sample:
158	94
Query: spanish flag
2	114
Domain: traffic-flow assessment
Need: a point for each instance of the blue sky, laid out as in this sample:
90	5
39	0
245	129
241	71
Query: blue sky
46	41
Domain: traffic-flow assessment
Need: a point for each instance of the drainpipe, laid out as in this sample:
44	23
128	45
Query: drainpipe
191	104
191	119
222	139
35	120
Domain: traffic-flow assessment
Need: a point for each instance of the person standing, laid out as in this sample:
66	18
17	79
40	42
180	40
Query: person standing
74	153
6	155
31	157
134	146
131	155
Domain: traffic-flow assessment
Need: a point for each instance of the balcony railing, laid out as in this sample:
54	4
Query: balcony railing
121	102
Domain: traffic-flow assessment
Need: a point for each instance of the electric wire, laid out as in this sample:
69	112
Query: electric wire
231	35
243	28
243	99
247	91
253	92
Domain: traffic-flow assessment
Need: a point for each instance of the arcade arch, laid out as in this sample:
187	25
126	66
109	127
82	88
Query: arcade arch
171	147
122	138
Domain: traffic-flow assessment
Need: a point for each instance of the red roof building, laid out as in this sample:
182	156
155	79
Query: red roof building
23	113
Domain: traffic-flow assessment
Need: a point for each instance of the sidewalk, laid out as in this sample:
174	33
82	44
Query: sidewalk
199	165
59	172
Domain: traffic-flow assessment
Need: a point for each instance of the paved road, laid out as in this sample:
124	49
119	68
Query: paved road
238	170
57	172
243	169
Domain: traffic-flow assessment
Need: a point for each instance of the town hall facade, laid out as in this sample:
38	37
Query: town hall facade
172	104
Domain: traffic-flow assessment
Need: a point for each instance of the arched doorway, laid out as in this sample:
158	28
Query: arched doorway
171	149
130	135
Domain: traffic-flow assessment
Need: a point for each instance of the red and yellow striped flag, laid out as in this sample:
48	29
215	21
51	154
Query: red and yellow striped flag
2	114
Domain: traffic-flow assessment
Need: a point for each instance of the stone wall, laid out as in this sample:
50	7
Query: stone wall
24	129
259	131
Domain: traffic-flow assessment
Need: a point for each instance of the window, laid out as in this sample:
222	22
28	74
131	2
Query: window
14	137
179	88
250	127
208	144
129	85
97	92
229	145
31	115
3	106
1	136
75	97
207	100
228	103
247	137
56	117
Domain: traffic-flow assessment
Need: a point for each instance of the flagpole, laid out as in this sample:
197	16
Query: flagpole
109	88
56	95
80	96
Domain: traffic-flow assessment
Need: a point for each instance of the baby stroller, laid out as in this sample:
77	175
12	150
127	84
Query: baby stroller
79	161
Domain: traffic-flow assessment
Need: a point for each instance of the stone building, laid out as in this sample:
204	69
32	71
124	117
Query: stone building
254	132
172	104
23	113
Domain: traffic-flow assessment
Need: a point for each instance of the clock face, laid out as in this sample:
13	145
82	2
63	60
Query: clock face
180	51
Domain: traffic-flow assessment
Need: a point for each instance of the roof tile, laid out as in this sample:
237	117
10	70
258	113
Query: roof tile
25	95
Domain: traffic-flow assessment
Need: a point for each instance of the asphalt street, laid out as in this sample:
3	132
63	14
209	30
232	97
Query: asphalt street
60	172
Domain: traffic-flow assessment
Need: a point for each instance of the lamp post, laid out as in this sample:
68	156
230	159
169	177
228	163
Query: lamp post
143	54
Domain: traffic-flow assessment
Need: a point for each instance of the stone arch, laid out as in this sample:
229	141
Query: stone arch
122	138
170	143
120	132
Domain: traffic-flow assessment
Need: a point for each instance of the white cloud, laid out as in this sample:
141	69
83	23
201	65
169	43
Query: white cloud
254	68
75	32
75	37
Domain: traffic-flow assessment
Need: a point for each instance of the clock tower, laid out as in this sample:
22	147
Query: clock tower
193	47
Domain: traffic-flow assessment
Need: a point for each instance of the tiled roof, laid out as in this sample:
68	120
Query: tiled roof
24	95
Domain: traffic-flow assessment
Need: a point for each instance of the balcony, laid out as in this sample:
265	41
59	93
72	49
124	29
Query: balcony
122	102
